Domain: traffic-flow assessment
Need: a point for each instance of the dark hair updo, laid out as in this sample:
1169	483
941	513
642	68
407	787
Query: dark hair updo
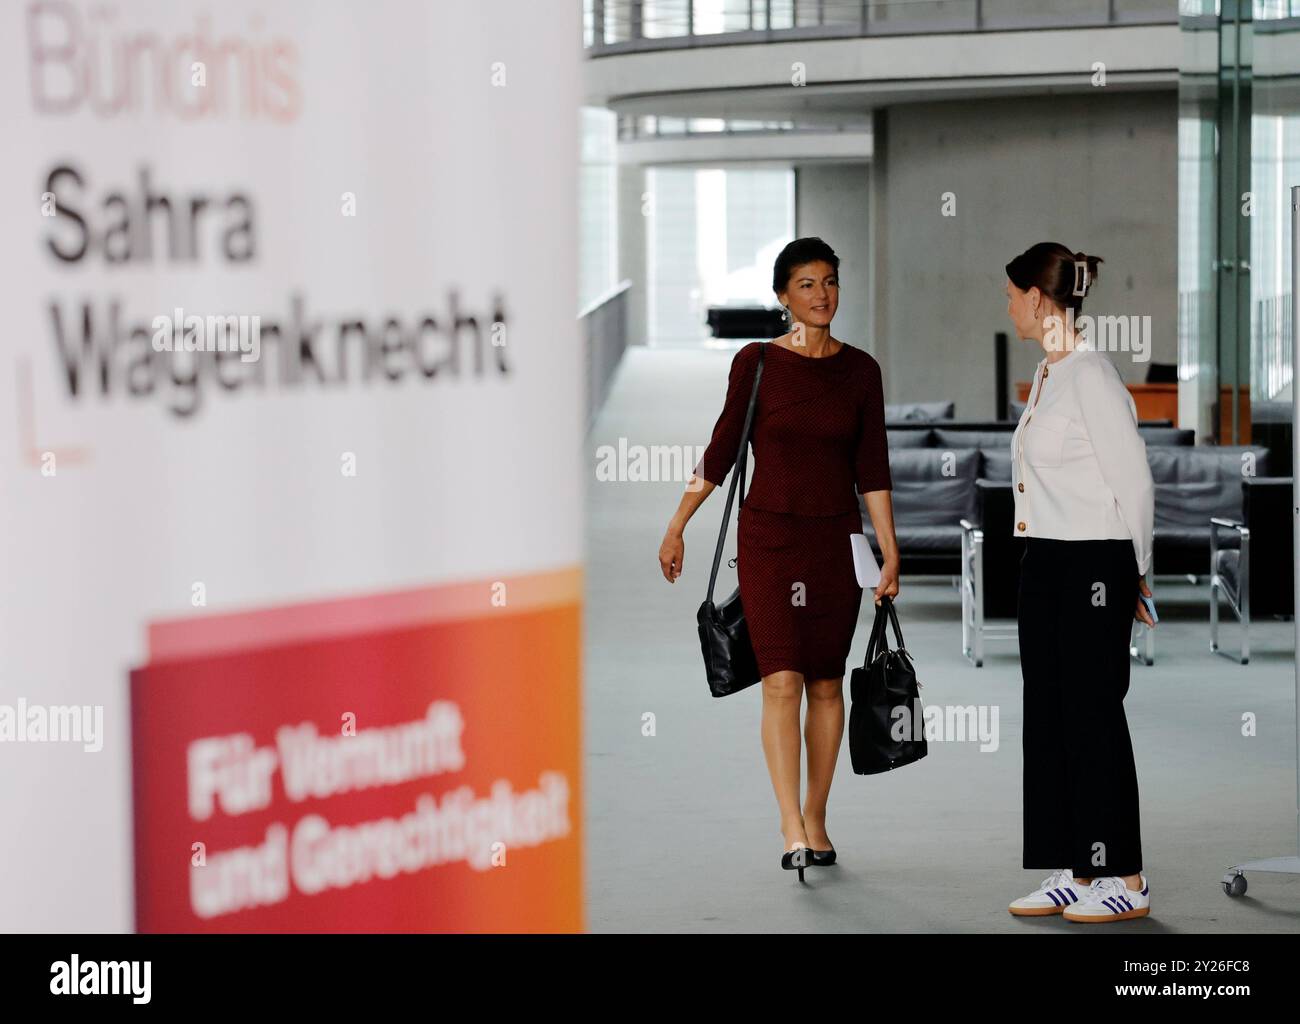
1063	276
796	254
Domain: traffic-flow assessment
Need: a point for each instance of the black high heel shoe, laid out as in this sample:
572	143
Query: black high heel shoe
797	859
823	858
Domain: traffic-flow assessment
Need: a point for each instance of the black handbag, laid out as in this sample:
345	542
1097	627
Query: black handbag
729	660
886	725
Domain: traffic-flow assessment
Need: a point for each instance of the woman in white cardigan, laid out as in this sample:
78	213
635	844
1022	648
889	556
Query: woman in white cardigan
1085	505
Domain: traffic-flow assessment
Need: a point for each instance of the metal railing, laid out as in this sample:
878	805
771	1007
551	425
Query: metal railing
622	26
644	127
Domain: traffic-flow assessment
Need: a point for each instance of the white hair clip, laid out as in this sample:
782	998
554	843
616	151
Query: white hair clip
1081	280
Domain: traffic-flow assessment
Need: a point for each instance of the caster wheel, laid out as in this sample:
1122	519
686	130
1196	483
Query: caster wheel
1236	886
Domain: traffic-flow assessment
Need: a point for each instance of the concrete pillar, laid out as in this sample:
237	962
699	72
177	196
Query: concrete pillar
1095	171
832	202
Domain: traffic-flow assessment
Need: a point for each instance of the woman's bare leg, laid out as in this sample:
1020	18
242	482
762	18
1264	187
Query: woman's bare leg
782	694
823	731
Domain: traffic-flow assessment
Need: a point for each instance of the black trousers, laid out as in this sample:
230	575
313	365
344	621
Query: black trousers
1077	599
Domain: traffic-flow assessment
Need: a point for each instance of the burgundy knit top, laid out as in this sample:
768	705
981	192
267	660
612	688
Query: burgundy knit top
818	434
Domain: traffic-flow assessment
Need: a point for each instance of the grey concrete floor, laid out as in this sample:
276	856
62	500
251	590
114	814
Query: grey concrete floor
682	828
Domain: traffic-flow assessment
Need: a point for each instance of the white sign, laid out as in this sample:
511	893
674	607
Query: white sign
389	189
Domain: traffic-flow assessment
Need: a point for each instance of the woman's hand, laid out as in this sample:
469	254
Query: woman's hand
671	553
673	550
1142	614
888	586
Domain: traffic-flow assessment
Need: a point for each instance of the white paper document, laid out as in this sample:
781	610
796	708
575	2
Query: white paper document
864	562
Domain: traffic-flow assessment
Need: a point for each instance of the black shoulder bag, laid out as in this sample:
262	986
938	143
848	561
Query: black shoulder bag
729	660
886	725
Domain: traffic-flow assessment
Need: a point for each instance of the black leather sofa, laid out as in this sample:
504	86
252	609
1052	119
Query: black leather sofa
1194	485
954	512
918	412
935	467
1199	509
1249	573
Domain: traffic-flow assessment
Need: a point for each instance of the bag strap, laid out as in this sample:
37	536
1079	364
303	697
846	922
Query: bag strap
893	618
738	475
879	634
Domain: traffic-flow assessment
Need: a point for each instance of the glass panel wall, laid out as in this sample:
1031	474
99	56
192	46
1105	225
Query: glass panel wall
714	16
630	21
597	206
1197	243
1044	12
920	15
1140	10
1275	168
1239	156
711	239
663	19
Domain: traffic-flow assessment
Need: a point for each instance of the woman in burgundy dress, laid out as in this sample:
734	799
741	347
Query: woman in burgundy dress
818	441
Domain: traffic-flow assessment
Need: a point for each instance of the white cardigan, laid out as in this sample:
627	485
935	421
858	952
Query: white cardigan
1079	466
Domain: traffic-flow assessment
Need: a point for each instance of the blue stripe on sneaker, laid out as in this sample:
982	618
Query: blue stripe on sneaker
1074	896
1127	902
1144	889
1110	902
1051	896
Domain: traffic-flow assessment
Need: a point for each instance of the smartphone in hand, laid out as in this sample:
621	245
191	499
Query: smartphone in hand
1150	605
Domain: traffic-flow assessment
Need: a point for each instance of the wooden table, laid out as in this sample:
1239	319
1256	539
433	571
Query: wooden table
1160	402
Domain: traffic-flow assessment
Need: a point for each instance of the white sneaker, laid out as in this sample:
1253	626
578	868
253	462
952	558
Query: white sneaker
1109	899
1057	892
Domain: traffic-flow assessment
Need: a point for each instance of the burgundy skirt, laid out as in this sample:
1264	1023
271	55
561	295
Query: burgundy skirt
799	590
